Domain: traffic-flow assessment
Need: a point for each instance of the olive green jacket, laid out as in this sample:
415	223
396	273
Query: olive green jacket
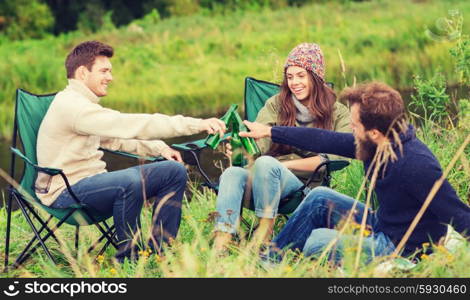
268	115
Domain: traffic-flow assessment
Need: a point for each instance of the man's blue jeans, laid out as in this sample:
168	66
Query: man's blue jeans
122	193
271	182
312	226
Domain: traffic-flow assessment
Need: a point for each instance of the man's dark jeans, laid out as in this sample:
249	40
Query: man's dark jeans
122	193
313	226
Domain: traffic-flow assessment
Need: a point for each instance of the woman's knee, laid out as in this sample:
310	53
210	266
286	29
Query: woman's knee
266	163
234	174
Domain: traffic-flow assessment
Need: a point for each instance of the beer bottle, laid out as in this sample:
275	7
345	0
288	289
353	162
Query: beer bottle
248	143
238	157
213	139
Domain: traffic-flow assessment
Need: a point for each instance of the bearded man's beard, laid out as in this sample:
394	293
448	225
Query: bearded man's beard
365	148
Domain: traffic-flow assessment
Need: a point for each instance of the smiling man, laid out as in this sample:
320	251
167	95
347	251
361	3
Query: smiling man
403	182
76	126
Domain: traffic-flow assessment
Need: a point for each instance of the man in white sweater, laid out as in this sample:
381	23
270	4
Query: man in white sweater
74	128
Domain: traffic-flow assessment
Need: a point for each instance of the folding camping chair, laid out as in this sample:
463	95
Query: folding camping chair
30	110
257	92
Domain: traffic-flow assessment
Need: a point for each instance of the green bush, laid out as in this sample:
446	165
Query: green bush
431	100
183	7
22	19
464	114
461	53
91	19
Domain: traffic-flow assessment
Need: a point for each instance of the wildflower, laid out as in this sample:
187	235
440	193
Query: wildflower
100	259
355	225
442	249
113	271
424	256
203	249
288	269
144	253
158	258
366	232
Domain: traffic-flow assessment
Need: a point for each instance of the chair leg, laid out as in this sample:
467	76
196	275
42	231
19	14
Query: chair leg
107	235
28	219
328	180
100	228
39	219
31	242
7	237
77	233
105	246
24	256
111	231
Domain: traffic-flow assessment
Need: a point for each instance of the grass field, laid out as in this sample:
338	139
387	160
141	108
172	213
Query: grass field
192	256
196	65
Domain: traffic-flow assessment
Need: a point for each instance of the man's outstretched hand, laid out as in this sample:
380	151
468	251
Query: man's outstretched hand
213	125
257	130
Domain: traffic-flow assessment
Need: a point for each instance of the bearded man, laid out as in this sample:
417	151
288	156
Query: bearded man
402	171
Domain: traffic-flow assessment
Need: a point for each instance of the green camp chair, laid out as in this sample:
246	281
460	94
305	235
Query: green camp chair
30	110
256	94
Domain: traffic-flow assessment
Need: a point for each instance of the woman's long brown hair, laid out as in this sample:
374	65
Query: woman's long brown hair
320	104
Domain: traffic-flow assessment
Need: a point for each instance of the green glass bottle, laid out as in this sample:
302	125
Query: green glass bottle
213	139
248	143
238	157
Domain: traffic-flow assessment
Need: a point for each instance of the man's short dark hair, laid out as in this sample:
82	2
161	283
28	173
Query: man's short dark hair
85	54
380	106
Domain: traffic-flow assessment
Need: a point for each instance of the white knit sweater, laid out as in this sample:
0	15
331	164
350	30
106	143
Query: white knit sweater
76	125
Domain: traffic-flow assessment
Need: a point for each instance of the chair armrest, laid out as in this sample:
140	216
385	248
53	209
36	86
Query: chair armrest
331	166
336	165
48	171
192	149
131	155
196	145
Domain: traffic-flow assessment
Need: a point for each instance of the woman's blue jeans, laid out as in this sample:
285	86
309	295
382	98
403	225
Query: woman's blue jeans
313	226
270	181
122	193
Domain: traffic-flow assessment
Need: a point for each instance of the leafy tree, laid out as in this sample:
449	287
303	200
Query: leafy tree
22	19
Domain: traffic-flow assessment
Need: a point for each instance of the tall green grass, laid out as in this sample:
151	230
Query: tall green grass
192	256
196	65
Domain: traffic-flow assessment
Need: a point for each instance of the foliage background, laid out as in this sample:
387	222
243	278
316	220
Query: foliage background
195	63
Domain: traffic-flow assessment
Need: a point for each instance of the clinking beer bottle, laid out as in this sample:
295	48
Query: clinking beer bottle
248	143
213	139
238	157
